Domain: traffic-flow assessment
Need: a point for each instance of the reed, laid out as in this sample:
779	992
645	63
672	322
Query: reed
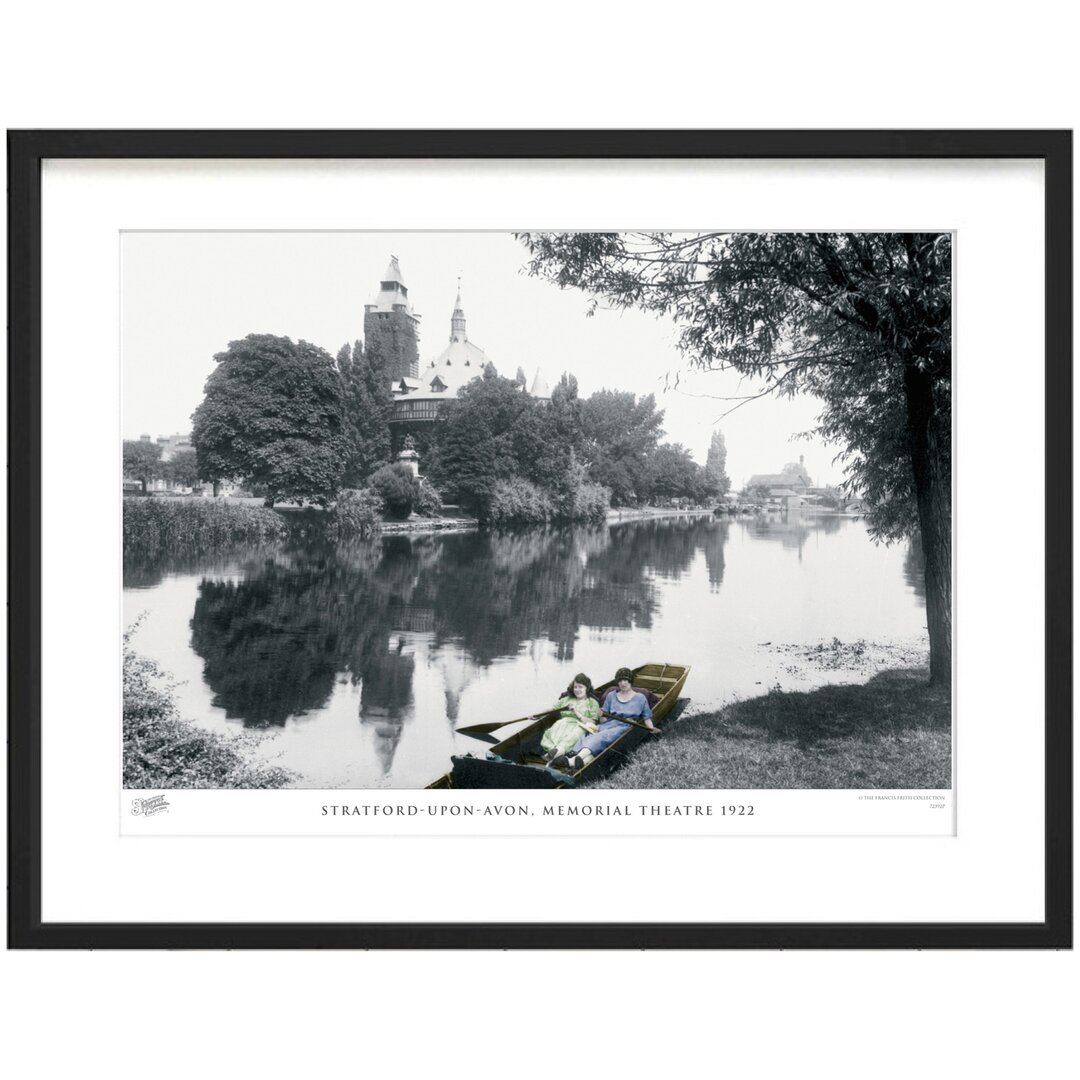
183	523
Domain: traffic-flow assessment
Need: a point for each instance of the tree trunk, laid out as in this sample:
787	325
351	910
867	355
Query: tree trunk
933	494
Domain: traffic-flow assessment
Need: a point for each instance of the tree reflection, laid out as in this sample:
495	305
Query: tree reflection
277	633
715	540
268	651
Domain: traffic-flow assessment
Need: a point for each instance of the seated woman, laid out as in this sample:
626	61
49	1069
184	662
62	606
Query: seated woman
579	713
623	701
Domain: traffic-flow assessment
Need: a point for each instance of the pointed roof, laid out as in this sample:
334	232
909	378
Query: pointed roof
393	293
393	272
539	388
460	361
457	319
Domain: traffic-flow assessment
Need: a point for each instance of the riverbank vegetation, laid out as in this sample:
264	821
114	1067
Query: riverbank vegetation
196	522
293	424
509	458
355	514
891	732
161	750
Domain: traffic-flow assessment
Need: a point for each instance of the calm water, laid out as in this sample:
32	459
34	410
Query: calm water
356	664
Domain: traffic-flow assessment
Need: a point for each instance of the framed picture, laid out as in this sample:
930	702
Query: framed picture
579	539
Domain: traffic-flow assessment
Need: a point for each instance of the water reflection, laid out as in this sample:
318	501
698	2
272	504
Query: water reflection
792	528
274	636
351	648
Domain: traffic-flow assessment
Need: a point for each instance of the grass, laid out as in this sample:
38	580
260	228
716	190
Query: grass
161	750
891	732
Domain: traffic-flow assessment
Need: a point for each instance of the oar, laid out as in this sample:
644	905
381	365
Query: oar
485	729
632	723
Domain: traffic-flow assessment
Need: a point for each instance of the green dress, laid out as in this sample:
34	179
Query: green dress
568	728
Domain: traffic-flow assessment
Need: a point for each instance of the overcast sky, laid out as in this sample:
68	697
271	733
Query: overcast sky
186	295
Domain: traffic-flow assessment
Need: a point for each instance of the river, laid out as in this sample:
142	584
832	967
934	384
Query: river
354	665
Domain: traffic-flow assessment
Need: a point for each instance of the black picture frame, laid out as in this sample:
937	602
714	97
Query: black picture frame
26	152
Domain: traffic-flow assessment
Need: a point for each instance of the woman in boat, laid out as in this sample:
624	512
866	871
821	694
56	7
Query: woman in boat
579	714
622	704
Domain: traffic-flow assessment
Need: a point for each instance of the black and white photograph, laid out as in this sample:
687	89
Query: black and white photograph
627	510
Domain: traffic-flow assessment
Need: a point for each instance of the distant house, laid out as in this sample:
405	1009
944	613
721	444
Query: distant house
170	446
787	498
788	488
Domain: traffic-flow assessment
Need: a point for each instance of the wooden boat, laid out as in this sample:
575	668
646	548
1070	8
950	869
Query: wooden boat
517	761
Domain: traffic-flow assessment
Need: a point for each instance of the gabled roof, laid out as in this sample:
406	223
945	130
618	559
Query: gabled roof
787	478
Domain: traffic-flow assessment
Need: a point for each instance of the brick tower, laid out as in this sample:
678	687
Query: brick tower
392	321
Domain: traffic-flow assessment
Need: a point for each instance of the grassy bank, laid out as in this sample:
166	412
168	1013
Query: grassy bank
891	732
163	751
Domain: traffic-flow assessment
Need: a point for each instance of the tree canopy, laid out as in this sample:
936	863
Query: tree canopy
365	380
273	415
671	472
494	435
863	321
142	460
475	445
620	432
182	468
716	464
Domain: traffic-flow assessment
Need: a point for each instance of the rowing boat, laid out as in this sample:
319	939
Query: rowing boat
518	762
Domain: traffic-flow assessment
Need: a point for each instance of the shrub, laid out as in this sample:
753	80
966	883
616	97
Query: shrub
163	751
589	502
205	522
398	489
356	513
428	501
517	502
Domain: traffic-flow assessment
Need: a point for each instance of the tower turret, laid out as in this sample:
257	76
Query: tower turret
390	324
457	320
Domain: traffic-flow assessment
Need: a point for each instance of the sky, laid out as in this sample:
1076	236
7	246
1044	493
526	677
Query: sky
186	295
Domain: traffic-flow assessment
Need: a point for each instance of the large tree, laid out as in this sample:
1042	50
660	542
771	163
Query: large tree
365	377
716	464
142	460
478	439
861	320
673	473
273	416
182	469
620	432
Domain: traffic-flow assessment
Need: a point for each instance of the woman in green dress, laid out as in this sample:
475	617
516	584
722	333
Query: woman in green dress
579	714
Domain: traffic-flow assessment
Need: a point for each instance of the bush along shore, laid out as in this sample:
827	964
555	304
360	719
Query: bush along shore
161	750
892	732
150	523
192	523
